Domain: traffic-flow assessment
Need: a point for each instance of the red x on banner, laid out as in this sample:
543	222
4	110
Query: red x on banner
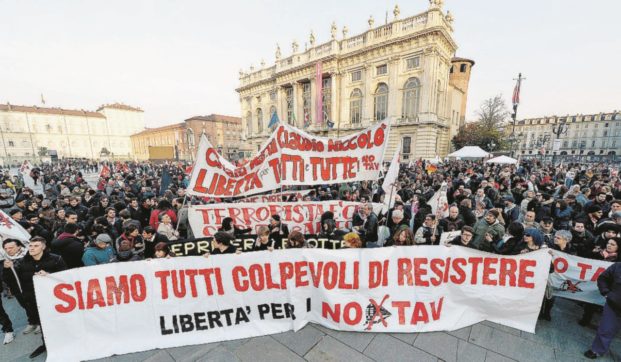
378	313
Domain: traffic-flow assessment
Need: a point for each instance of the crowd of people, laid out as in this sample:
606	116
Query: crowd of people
135	210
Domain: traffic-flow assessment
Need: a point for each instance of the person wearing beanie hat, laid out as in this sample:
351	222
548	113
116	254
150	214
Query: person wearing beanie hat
277	228
512	211
593	214
99	251
532	240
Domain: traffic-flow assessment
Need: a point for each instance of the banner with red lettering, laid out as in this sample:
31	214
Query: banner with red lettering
136	306
291	157
304	216
576	278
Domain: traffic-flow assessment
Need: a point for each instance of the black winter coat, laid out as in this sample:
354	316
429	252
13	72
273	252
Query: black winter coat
27	267
70	249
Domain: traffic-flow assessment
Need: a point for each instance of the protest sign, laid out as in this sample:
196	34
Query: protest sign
162	303
576	278
439	203
291	157
304	217
245	243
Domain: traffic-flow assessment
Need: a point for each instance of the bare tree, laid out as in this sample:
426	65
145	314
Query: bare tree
493	112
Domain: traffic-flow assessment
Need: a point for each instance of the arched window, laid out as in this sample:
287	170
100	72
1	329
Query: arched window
355	106
411	99
380	102
249	123
259	120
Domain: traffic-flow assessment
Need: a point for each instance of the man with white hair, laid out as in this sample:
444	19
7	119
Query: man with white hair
398	219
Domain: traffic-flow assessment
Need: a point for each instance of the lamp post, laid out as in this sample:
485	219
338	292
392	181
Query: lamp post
491	145
540	142
559	129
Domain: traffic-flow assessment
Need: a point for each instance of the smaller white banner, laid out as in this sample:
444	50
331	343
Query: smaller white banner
576	278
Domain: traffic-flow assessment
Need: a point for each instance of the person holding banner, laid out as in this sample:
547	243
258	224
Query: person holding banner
264	242
38	261
609	285
223	244
488	231
277	228
464	239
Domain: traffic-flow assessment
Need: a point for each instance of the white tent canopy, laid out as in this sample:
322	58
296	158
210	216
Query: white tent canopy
504	160
470	152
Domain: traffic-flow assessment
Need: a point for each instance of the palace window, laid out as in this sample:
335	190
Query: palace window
380	102
290	111
306	102
356	75
462	68
413	62
411	99
326	97
406	145
355	106
11	144
259	120
381	69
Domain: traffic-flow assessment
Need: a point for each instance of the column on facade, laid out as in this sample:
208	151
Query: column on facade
313	99
427	87
369	90
394	89
335	83
281	104
298	104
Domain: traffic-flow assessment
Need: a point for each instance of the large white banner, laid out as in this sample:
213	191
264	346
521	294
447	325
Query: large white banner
291	157
576	278
304	216
136	306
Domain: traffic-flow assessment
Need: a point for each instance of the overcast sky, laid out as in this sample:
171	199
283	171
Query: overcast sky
177	59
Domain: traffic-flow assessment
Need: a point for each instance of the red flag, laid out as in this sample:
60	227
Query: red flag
188	170
105	171
431	168
516	93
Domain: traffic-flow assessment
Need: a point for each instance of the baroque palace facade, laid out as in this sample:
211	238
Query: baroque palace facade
27	130
405	70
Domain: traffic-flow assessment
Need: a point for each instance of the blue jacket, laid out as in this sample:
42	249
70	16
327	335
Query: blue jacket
95	256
